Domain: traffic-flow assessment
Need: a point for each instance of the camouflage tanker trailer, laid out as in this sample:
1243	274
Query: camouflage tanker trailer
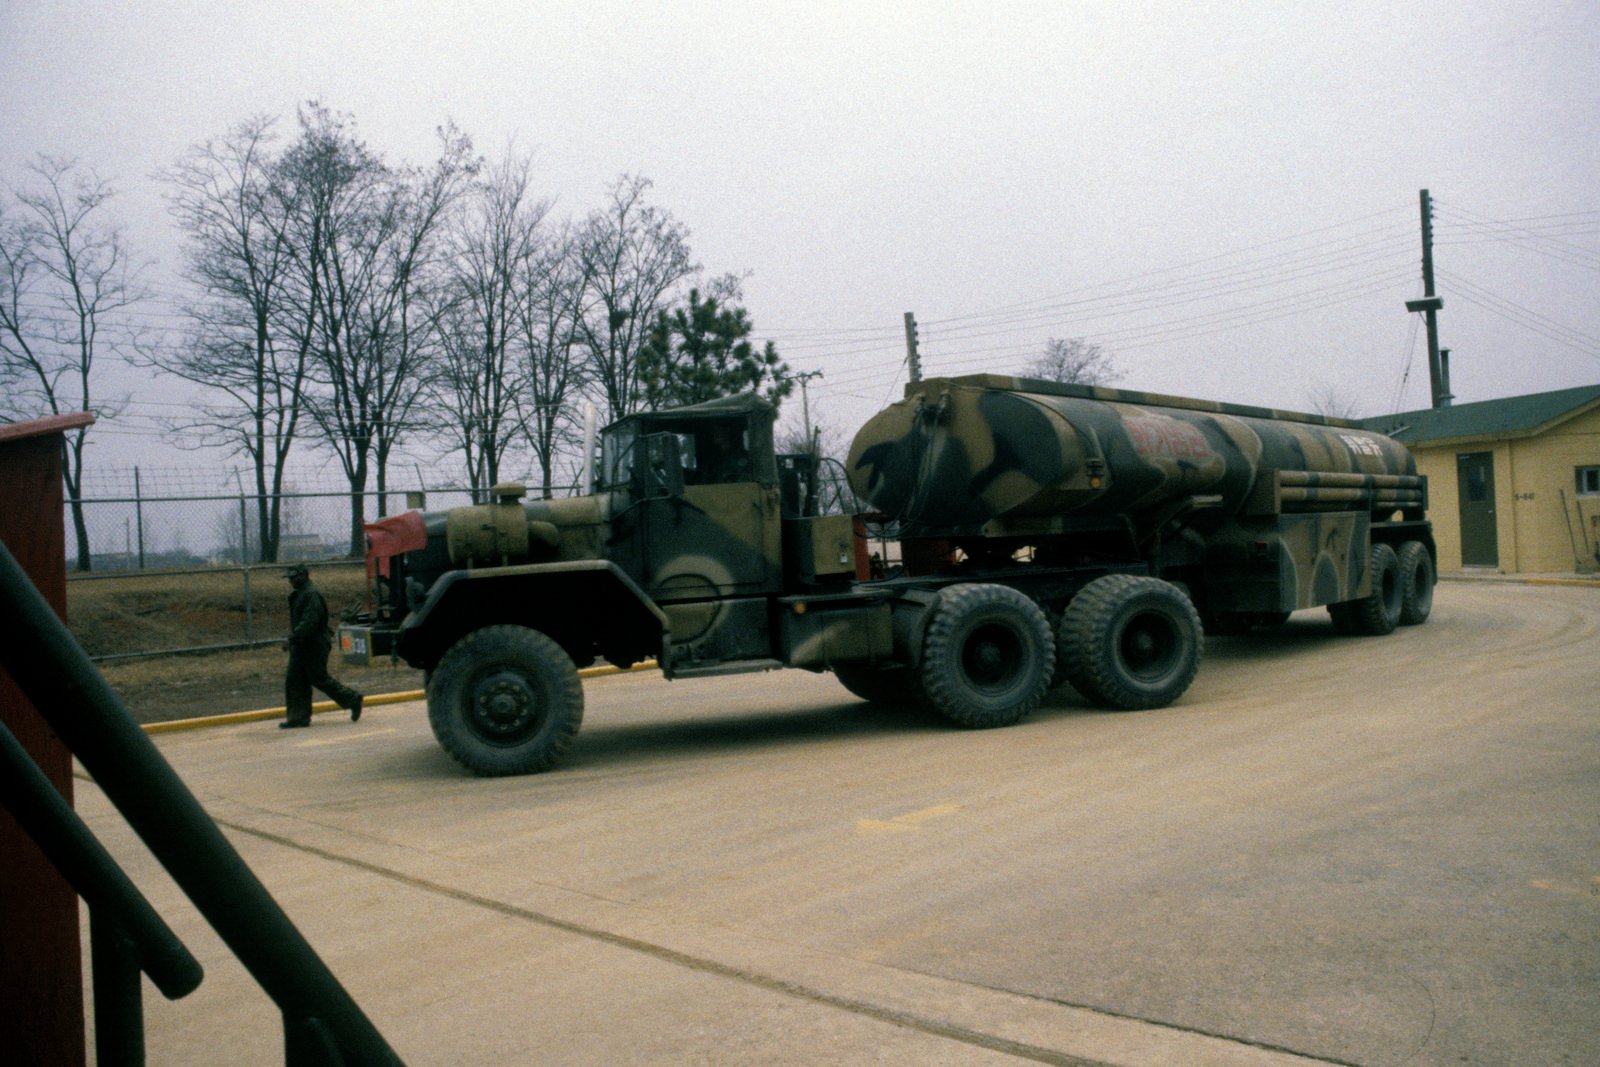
1050	534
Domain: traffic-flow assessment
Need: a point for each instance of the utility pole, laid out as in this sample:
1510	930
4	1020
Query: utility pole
804	378
911	347
1429	305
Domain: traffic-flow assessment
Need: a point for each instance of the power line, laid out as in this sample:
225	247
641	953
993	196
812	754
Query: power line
1511	311
1537	234
1186	268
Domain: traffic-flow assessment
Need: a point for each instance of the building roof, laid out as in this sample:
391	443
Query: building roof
1512	416
21	431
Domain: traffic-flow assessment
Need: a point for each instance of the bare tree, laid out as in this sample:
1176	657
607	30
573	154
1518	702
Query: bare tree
362	235
633	256
64	276
1074	361
413	272
1328	399
249	341
827	441
494	245
551	299
344	218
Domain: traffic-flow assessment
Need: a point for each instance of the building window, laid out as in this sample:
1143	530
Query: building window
1589	481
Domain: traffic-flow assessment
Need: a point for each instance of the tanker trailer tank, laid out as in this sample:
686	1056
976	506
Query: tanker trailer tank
994	456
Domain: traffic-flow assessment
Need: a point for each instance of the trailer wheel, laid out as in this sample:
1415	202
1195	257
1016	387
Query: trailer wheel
505	700
1378	613
1416	583
895	687
987	656
1052	619
1131	642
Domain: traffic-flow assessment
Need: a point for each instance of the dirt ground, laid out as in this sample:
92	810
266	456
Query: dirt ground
185	687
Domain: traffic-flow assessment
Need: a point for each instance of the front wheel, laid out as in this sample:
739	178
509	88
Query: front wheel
987	656
505	700
1131	642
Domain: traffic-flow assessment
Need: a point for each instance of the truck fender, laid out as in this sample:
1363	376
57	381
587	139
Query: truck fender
576	602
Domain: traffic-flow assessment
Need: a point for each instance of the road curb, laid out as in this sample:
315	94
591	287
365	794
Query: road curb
1521	579
322	707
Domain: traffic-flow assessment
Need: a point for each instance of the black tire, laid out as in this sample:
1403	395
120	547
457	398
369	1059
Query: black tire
1416	583
505	700
1132	642
895	687
1052	619
1378	613
987	655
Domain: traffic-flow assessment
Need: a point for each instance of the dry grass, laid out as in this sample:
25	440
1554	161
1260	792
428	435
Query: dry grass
133	613
136	613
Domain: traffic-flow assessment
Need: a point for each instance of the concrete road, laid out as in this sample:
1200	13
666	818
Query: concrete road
1365	851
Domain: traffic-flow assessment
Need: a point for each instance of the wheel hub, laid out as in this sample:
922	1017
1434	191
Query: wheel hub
1148	644
991	657
504	705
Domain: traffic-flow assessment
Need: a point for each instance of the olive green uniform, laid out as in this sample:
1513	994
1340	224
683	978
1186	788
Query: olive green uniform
310	642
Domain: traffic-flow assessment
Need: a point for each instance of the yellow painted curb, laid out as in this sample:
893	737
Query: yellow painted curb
324	706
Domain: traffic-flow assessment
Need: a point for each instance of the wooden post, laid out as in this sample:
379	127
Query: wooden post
41	957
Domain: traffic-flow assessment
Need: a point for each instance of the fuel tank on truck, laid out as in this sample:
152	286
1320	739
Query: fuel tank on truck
987	450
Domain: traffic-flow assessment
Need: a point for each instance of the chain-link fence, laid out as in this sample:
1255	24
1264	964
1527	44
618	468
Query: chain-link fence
184	573
137	533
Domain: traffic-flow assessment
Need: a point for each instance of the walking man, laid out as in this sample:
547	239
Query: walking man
309	645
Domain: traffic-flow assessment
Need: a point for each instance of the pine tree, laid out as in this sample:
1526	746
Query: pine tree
702	351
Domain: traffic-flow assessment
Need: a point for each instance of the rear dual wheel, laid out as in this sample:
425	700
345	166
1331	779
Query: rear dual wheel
1131	642
1416	583
1378	612
987	656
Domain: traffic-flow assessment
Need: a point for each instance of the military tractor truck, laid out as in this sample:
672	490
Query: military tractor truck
1049	534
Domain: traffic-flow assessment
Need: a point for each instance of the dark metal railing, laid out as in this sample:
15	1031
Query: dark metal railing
126	936
323	1026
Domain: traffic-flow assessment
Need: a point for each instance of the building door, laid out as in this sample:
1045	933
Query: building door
1480	545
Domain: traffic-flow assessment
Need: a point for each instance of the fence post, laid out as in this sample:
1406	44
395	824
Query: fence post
244	562
138	515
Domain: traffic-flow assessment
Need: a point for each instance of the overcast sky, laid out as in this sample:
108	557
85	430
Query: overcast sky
1224	196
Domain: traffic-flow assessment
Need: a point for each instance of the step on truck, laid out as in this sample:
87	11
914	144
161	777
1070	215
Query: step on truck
1049	535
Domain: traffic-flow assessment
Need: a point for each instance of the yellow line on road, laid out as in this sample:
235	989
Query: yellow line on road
909	821
345	736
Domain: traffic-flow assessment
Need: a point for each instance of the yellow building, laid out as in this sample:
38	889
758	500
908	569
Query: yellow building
1513	484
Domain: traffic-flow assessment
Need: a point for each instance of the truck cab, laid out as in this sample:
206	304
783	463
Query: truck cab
699	547
715	527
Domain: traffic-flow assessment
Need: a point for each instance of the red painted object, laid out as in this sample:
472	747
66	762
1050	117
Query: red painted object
41	956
